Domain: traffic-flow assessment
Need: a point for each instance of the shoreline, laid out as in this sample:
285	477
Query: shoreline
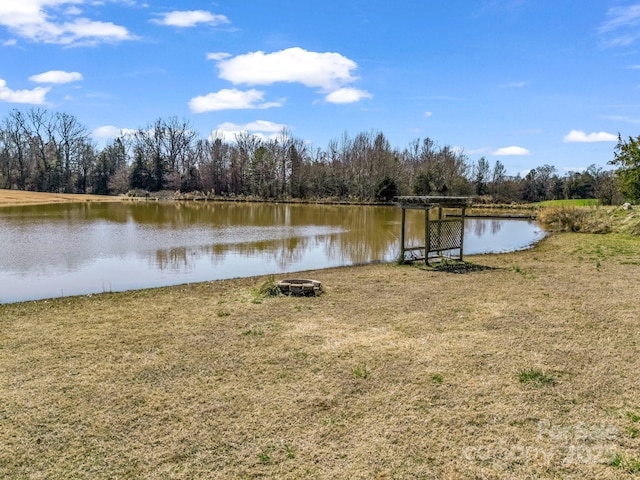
9	198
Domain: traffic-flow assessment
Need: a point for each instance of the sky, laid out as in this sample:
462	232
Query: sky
525	82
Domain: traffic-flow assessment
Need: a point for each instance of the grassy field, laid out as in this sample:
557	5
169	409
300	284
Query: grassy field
524	368
19	197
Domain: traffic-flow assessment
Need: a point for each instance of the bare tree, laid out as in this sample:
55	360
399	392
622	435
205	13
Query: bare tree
16	143
166	147
498	177
246	146
72	143
178	137
41	126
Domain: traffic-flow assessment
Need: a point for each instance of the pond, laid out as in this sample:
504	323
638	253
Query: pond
74	249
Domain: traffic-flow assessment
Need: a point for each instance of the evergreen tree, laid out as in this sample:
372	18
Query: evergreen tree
139	176
386	189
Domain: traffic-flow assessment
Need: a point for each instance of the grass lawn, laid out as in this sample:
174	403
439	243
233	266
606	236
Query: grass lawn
577	202
525	369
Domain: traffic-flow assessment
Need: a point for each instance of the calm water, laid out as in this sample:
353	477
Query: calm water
71	249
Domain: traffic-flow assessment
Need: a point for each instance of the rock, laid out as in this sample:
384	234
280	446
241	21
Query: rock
626	206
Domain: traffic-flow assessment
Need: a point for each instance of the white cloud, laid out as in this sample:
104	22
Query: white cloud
56	76
511	151
190	18
619	17
428	114
90	32
109	131
45	21
230	99
262	129
578	136
347	95
10	43
33	97
328	71
217	55
621	27
260	126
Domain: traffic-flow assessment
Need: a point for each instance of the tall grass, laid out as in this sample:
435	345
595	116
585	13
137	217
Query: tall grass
576	219
563	218
589	219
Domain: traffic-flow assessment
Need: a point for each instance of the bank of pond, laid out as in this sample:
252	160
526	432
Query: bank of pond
75	249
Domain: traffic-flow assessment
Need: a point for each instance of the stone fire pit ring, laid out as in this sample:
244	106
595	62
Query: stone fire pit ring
300	287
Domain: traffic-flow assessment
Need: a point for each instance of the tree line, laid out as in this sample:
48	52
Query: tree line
49	151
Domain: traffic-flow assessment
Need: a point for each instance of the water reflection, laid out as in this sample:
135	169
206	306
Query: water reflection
489	226
70	249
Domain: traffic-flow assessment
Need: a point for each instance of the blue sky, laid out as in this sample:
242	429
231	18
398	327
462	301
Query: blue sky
526	82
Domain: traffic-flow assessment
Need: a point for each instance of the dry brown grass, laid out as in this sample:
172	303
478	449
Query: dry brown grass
19	197
394	372
590	219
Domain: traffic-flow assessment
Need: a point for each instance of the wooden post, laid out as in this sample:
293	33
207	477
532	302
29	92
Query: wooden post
427	236
440	231
401	259
462	235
